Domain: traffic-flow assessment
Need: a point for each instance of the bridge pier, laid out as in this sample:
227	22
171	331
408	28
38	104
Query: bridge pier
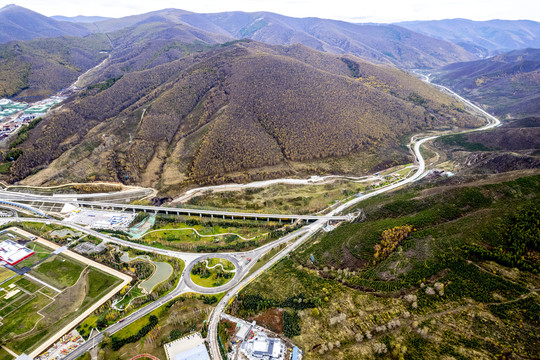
212	216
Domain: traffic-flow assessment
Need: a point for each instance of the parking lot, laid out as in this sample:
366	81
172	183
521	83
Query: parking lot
98	219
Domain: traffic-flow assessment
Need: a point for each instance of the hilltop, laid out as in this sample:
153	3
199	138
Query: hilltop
236	111
18	23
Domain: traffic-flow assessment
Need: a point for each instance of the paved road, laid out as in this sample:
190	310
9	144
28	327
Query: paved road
20	197
185	285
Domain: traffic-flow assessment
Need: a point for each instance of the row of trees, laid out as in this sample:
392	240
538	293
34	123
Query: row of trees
117	343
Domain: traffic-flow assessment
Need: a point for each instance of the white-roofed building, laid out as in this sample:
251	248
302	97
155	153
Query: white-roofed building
263	347
13	253
190	347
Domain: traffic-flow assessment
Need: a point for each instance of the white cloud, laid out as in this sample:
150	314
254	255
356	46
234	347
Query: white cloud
355	11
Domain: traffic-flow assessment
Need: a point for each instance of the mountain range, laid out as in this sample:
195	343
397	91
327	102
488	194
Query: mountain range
80	18
482	38
388	44
506	84
183	98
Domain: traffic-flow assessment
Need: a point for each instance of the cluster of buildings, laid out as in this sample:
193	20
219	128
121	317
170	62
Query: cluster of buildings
264	348
14	114
8	107
257	343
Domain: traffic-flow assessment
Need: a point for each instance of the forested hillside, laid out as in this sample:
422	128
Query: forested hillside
230	109
507	84
41	67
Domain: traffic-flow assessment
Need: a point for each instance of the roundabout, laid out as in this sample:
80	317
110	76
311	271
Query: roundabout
212	272
208	274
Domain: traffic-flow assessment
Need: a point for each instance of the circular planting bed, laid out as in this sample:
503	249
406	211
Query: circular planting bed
212	272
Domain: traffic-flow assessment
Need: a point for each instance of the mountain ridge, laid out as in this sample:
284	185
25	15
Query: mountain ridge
389	44
484	38
506	83
18	23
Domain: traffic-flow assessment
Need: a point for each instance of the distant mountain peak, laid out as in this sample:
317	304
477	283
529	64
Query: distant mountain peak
19	23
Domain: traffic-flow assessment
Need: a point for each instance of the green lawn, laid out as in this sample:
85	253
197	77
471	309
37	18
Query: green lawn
4	355
211	274
28	285
59	271
25	317
100	282
36	315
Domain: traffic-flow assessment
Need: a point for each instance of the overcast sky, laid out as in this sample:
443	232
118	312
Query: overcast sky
348	10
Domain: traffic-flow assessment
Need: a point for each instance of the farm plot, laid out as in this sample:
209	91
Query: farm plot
35	308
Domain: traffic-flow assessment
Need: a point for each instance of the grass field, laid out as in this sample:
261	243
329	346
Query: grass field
212	272
4	355
59	271
35	311
184	233
5	274
281	198
40	253
207	235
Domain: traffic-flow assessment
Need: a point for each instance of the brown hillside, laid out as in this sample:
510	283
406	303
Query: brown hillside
234	108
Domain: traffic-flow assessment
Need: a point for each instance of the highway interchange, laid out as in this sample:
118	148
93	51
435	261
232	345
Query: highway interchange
239	259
